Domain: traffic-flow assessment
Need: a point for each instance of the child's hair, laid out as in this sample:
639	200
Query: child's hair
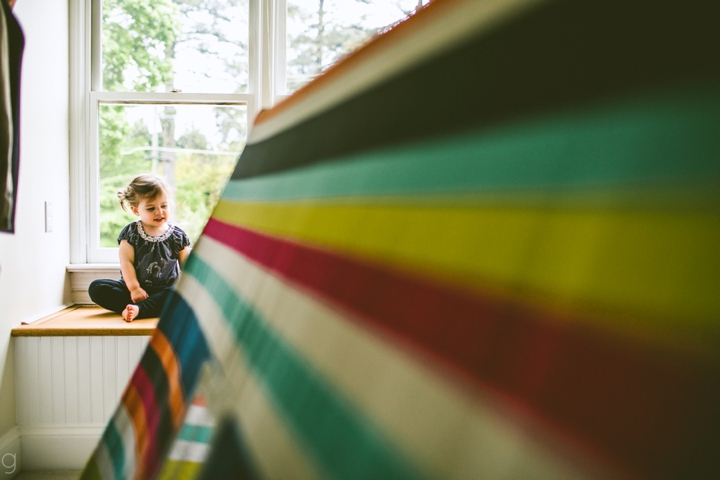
143	186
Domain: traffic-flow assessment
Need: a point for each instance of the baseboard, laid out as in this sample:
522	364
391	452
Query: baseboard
10	460
58	448
43	314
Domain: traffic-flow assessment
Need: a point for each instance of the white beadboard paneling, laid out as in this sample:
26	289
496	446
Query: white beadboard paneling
67	389
97	404
110	394
21	380
137	347
83	381
58	379
31	401
72	382
45	380
123	364
72	414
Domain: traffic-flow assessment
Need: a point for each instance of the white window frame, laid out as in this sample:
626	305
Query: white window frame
266	84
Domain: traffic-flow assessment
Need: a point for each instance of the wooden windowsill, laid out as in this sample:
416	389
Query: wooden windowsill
85	320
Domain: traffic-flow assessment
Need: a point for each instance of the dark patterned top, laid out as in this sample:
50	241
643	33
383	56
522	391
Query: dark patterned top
156	258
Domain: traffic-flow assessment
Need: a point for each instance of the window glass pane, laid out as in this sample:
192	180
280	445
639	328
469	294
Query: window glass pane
196	46
320	32
194	147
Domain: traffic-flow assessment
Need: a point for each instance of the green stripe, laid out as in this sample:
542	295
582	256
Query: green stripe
196	433
116	449
667	142
343	443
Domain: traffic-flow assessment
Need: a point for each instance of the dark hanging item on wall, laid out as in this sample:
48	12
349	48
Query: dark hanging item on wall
12	42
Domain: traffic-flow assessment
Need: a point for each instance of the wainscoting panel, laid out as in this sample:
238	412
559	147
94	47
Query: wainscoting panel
66	390
70	381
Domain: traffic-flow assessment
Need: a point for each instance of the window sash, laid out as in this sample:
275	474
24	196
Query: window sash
87	96
95	252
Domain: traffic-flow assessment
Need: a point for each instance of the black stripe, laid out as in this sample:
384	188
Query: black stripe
551	58
229	457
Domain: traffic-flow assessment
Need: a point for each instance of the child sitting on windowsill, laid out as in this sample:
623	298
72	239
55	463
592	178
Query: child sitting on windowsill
151	252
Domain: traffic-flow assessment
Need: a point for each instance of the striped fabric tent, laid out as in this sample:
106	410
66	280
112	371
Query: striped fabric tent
485	245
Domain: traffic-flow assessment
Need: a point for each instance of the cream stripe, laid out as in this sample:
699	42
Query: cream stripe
189	451
218	336
450	27
237	393
443	429
197	415
104	462
127	432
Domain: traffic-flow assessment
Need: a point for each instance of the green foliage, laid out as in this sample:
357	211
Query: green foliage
232	125
137	37
116	169
114	128
199	180
194	140
112	217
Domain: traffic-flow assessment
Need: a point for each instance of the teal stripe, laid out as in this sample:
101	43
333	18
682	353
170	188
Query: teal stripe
196	433
668	139
115	448
339	439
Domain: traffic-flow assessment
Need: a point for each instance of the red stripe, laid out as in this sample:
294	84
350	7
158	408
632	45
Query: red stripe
152	417
647	411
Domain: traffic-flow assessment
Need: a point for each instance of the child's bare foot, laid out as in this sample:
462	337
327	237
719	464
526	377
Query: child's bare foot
130	312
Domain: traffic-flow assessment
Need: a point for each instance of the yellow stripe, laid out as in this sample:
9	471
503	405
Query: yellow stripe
665	265
180	470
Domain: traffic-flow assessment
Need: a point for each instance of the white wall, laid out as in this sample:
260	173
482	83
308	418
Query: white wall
32	262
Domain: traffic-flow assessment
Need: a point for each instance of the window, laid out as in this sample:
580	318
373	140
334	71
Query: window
170	86
169	94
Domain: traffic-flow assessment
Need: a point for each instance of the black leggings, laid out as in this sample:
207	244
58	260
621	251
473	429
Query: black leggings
114	295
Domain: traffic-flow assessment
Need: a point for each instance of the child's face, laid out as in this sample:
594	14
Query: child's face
153	212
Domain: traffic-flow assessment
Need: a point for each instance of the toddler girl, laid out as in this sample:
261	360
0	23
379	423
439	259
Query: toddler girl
151	251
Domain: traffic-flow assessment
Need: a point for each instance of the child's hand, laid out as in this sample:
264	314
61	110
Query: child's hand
138	294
